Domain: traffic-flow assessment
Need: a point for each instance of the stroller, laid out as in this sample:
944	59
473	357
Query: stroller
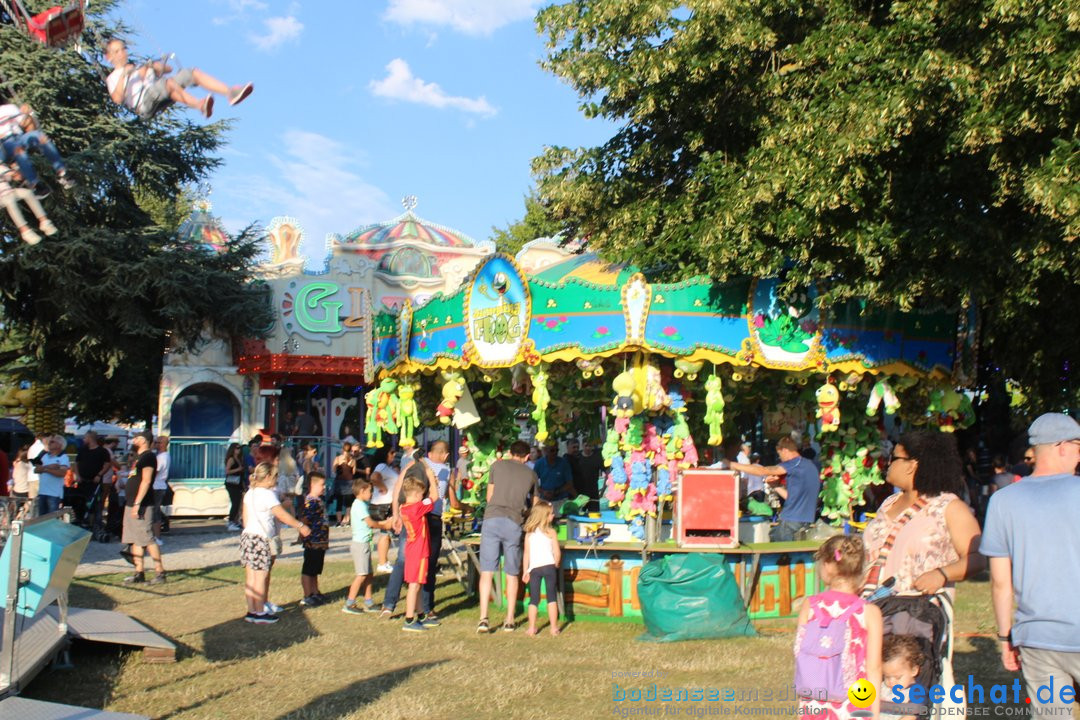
927	618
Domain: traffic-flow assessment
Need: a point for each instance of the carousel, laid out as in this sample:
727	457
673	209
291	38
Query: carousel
659	376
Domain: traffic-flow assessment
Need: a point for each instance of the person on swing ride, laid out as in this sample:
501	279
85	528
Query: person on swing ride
11	192
146	90
19	134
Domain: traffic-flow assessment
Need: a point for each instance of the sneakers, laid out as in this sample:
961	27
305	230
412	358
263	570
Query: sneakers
483	626
271	609
233	527
355	609
29	236
385	568
159	579
160	542
261	618
239	93
47	227
65	181
386	614
312	601
429	620
41	190
136	579
207	107
414	626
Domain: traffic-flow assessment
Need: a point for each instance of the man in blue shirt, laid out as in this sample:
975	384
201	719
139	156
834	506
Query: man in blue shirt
800	492
556	477
1032	538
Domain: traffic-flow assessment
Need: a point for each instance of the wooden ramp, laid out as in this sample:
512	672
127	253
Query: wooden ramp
112	627
24	709
38	642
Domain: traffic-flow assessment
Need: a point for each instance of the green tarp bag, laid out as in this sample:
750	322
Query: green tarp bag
691	596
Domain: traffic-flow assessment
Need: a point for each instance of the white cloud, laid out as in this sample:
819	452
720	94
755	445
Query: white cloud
401	84
279	30
317	181
237	9
472	17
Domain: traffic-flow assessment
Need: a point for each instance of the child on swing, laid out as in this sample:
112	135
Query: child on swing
11	192
838	641
19	134
146	91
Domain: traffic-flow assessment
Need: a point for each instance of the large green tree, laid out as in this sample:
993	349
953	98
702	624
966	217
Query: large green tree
916	152
91	311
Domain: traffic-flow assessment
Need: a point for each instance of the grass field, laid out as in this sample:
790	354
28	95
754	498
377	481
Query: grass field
322	664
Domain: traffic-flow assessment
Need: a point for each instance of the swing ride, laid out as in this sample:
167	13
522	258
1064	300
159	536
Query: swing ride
55	27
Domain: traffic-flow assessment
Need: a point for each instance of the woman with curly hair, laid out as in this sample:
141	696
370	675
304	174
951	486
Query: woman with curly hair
938	541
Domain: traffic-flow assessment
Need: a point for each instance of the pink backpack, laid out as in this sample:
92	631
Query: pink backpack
819	660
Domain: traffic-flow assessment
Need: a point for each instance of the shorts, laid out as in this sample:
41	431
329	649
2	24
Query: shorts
314	558
549	575
159	498
500	536
138	531
255	552
361	557
416	565
380	512
155	97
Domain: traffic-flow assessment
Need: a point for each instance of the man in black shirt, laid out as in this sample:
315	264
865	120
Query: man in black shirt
90	464
138	516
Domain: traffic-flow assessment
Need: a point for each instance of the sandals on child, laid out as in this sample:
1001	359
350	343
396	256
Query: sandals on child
483	626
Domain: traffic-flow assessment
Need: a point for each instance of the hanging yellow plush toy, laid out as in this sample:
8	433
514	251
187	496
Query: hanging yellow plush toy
828	411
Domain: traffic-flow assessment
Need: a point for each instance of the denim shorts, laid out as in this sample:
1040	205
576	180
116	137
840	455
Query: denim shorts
500	536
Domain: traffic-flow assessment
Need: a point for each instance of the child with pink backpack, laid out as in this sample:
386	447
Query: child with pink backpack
839	638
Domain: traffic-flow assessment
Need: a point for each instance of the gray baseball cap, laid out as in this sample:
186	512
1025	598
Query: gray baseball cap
1053	428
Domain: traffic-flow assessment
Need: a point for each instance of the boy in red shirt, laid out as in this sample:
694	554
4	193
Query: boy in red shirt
413	519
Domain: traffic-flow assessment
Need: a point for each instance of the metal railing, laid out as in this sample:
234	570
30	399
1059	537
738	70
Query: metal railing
197	458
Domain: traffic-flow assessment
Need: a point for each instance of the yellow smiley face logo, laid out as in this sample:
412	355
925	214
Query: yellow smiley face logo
861	693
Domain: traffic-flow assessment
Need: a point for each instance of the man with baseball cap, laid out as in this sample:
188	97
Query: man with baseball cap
1032	537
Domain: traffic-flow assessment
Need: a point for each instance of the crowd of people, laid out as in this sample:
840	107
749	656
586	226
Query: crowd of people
923	539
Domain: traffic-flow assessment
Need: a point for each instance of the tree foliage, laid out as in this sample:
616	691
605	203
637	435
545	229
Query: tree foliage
917	152
90	311
536	223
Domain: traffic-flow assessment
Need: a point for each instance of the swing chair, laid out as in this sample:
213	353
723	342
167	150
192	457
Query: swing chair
54	27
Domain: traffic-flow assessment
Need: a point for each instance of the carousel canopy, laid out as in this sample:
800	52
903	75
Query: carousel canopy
586	308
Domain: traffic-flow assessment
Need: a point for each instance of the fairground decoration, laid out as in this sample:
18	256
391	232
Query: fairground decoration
497	314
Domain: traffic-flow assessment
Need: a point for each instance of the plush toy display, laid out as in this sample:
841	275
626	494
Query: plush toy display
714	409
950	410
541	399
828	399
851	462
648	443
408	414
687	369
882	392
627	402
452	390
385	413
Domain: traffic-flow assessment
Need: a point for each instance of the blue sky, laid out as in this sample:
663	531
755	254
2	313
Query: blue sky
356	106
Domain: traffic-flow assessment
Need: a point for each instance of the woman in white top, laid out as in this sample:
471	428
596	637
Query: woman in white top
541	562
262	511
20	473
